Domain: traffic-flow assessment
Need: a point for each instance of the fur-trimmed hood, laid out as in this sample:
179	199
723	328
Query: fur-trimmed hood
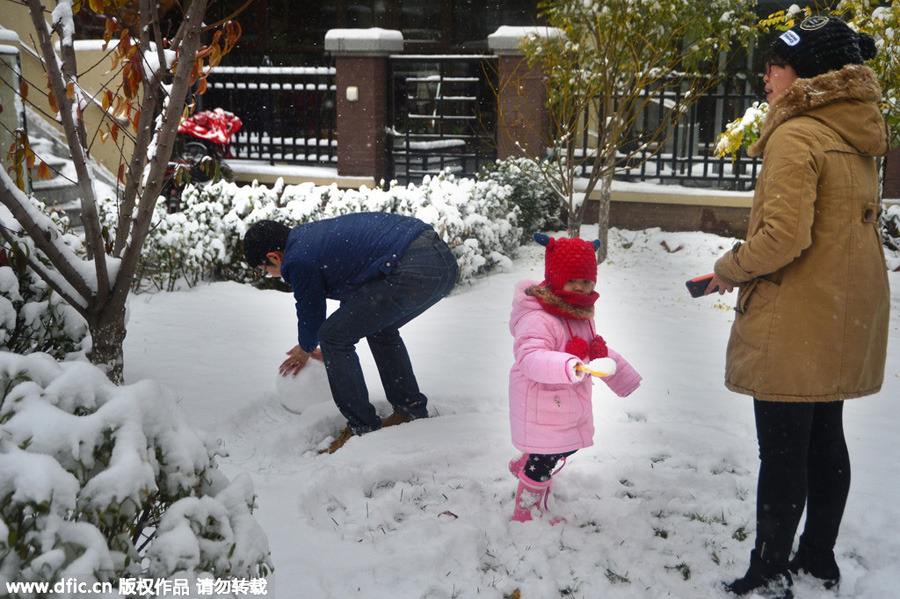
826	98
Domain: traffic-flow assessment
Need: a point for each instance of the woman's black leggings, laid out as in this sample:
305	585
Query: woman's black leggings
803	461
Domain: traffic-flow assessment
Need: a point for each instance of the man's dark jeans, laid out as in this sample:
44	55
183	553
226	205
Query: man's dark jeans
376	311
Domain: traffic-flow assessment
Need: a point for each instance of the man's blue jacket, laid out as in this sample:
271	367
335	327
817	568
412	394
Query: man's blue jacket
333	257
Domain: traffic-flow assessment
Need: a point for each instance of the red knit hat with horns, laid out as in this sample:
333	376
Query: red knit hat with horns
568	259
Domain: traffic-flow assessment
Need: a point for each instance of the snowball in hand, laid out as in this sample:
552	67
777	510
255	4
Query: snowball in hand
605	365
309	387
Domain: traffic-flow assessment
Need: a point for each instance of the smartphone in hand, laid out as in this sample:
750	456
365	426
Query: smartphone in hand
697	286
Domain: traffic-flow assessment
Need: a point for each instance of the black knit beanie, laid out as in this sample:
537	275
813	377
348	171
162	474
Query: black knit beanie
264	237
822	44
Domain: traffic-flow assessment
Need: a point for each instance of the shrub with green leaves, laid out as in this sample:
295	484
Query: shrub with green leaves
539	208
101	482
32	317
890	228
478	219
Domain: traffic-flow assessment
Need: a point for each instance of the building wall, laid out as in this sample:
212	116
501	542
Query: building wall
93	81
892	175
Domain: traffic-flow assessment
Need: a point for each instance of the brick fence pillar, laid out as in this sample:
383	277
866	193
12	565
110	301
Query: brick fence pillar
523	122
361	77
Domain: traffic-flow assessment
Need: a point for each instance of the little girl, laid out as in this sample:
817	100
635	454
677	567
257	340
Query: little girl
552	324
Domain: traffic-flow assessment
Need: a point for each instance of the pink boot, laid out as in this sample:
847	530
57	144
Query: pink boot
532	494
516	466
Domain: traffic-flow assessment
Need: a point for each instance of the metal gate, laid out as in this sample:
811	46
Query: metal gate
442	115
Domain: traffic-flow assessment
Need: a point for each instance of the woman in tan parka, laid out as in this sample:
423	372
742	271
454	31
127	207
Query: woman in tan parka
812	312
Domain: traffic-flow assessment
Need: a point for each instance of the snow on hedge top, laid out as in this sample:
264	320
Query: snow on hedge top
82	456
69	411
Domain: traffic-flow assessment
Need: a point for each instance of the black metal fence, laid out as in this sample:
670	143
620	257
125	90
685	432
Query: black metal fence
442	115
687	156
288	113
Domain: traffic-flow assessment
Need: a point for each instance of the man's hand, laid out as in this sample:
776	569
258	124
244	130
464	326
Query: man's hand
297	359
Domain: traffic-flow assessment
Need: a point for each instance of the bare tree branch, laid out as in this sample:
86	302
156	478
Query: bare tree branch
190	28
89	214
42	233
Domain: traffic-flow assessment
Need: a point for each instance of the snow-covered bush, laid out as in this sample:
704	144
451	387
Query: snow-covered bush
101	483
203	240
890	228
743	132
32	317
539	208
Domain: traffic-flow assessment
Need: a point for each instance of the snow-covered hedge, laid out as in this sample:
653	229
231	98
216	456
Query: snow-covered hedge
102	483
32	317
539	208
478	220
890	228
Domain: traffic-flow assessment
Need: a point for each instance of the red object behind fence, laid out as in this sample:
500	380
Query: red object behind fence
216	126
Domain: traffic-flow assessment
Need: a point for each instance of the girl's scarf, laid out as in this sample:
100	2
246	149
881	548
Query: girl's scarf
573	306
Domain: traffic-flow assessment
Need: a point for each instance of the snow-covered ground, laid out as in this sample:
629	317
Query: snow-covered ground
661	506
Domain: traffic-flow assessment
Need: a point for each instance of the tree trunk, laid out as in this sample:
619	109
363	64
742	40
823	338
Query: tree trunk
107	339
573	225
603	218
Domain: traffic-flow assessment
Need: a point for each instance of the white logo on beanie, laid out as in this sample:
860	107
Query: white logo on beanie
813	23
790	38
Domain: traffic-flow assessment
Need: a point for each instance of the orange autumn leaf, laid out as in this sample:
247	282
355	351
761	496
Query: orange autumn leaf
195	72
122	172
51	99
111	28
119	109
127	82
43	171
203	52
216	57
23	89
232	33
70	90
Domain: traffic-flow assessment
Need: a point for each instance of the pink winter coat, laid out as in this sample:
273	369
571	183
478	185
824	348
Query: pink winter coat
550	407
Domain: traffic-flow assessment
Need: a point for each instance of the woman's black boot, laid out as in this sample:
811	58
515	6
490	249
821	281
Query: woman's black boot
765	578
816	562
